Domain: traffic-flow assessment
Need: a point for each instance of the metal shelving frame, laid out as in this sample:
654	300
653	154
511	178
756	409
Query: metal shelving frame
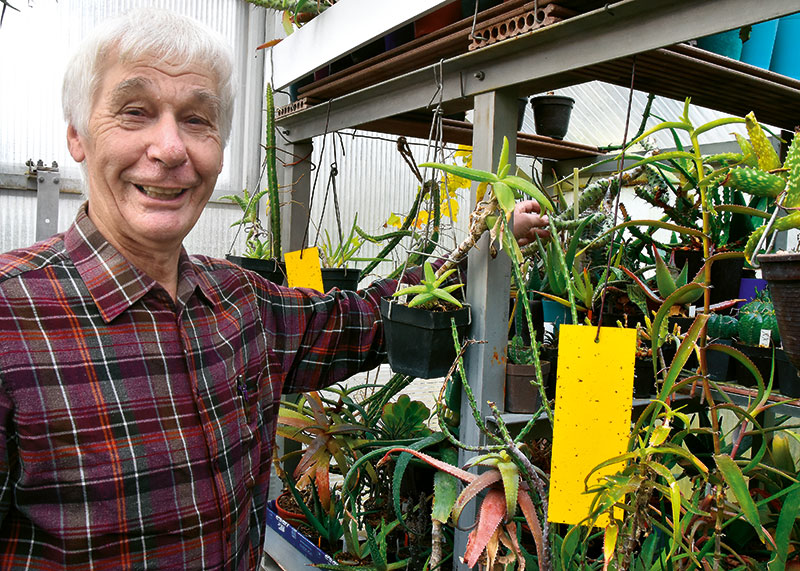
490	80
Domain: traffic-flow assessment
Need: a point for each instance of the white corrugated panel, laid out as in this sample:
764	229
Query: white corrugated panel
598	117
36	44
374	182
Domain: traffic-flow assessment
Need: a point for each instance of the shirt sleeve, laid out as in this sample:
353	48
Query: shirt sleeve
6	439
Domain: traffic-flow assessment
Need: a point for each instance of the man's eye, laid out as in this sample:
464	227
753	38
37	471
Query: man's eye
133	112
196	120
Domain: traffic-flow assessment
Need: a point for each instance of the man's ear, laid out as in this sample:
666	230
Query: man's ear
75	144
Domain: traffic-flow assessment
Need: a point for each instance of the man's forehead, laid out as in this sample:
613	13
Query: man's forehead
144	83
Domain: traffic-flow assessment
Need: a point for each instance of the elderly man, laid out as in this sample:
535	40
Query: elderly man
139	386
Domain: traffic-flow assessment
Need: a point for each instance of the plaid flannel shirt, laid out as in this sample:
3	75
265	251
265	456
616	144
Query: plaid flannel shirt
137	432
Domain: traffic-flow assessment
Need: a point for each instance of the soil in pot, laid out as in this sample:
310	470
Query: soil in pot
287	508
521	395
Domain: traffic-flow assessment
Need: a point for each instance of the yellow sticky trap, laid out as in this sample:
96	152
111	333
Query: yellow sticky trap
303	269
592	414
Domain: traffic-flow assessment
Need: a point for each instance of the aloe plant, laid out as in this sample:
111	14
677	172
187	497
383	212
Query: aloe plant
429	291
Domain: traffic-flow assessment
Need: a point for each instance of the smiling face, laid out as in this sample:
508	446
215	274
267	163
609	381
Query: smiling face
153	152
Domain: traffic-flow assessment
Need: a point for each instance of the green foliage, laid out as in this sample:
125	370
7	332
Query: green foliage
518	353
404	419
429	291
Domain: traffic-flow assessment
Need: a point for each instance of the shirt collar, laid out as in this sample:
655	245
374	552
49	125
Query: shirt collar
113	282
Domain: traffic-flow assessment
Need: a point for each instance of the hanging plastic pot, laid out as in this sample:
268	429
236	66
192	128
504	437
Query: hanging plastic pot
551	115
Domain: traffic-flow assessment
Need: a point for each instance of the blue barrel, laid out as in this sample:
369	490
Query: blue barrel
787	41
757	50
727	44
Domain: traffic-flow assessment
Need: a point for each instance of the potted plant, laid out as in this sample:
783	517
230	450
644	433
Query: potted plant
334	257
262	248
418	335
522	394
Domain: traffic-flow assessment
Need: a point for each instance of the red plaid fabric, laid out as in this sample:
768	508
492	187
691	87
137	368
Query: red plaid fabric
137	432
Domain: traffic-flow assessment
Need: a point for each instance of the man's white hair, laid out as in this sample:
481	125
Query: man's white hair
160	34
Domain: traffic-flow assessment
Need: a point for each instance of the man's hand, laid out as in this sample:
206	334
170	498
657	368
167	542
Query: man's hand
528	223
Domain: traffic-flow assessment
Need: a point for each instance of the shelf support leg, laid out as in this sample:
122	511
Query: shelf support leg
489	287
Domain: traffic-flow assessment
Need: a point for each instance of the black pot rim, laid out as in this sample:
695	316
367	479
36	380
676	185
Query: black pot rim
397	312
564	99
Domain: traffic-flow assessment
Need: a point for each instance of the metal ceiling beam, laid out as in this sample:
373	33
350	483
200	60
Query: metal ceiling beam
535	62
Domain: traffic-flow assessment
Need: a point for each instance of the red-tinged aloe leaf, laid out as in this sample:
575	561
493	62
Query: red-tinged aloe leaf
311	456
735	479
463	172
723	305
294	434
682	354
529	511
509	539
645	288
472	489
438	464
323	482
786	520
293	418
318	409
493	511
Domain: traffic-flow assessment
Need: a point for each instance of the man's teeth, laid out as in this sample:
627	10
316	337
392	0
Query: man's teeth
159	192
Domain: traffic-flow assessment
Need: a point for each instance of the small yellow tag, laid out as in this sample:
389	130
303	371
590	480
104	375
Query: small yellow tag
592	414
303	269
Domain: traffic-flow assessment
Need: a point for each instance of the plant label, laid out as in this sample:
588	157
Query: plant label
765	337
592	414
303	269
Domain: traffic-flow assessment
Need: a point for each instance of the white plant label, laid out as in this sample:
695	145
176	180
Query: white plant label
765	338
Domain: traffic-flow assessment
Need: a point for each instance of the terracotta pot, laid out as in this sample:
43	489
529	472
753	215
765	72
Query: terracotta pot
290	516
782	272
521	396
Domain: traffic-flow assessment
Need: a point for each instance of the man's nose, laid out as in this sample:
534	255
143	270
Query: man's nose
167	146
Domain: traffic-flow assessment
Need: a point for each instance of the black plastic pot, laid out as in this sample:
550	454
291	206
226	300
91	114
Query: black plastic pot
551	115
782	272
270	269
521	396
762	359
419	342
644	379
342	278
